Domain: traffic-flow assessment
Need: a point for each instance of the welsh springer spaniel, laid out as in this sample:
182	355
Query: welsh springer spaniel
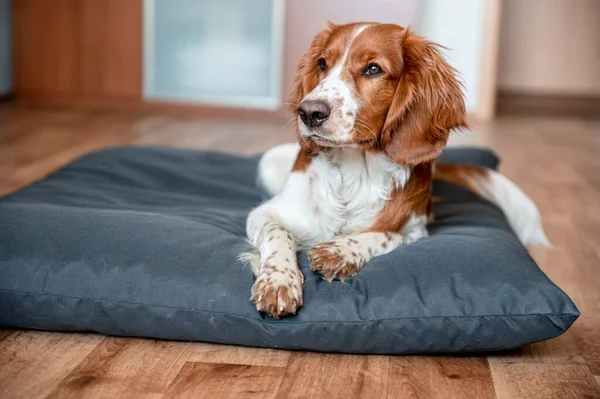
375	104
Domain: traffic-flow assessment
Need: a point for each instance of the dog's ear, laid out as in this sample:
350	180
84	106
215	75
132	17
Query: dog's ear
307	77
427	104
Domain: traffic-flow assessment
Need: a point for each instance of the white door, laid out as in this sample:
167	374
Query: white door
225	52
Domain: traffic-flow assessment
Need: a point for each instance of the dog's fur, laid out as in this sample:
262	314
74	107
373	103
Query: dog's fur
359	185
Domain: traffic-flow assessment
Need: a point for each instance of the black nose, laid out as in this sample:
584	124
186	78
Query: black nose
313	113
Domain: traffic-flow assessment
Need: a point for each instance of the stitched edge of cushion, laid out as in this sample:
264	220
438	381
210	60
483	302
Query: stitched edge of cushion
575	314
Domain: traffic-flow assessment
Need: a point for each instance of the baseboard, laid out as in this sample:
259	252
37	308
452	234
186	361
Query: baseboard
6	97
129	104
549	105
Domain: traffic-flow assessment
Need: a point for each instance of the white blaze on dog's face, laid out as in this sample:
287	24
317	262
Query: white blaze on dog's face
376	86
336	93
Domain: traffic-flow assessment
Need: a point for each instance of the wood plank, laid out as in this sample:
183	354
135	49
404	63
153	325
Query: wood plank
33	363
5	333
209	380
440	377
586	336
555	351
334	376
543	381
125	368
214	353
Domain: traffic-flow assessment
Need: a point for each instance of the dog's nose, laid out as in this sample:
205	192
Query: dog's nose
313	113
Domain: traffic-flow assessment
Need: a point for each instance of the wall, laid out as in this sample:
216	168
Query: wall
5	52
550	47
458	25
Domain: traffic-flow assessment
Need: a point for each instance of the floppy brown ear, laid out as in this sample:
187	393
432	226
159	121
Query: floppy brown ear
307	78
428	103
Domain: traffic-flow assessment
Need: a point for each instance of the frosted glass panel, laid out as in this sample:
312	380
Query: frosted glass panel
221	52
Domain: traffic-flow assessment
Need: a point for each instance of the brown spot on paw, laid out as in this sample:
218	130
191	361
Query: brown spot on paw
273	229
278	294
331	263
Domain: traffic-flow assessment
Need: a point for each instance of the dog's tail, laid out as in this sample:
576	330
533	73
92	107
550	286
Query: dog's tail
520	211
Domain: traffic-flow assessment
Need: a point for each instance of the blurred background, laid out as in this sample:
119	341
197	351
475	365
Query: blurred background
77	75
235	55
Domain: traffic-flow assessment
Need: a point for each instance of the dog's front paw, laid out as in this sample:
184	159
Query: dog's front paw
278	292
335	260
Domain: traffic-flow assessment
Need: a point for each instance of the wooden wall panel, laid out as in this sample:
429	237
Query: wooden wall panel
110	46
78	50
44	49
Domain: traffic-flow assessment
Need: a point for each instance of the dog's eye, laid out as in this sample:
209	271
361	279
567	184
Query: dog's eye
322	64
372	70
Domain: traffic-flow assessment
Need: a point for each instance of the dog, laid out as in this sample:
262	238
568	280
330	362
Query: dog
374	106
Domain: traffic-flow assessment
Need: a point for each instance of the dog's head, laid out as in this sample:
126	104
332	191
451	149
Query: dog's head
376	86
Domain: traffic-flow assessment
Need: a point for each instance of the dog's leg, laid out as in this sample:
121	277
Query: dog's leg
343	257
278	286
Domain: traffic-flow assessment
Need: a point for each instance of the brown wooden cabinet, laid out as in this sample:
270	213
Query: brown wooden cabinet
74	51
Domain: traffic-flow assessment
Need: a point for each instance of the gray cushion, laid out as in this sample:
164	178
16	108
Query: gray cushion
143	242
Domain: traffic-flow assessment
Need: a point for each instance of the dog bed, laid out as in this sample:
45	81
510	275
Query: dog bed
142	242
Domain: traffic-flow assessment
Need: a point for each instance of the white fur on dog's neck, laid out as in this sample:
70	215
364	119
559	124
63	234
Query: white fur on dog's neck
345	189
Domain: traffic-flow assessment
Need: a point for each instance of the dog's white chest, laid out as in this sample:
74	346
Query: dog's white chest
349	188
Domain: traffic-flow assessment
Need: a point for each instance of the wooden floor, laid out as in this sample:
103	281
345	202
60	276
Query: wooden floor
556	161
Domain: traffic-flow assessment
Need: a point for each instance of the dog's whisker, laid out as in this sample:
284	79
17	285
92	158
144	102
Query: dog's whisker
296	104
281	104
362	124
293	118
375	135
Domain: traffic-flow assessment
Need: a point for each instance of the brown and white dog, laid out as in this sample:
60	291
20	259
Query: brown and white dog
375	104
